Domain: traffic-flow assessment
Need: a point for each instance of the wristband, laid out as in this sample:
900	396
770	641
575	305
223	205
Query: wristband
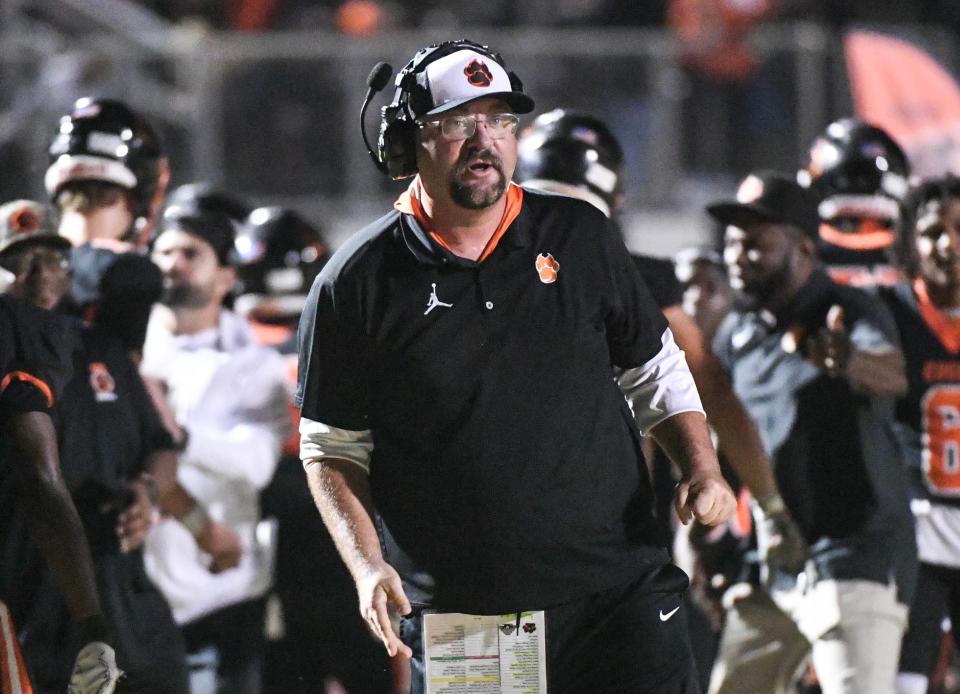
195	520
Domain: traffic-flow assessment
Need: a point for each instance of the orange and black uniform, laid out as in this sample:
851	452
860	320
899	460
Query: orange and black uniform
506	467
930	441
36	350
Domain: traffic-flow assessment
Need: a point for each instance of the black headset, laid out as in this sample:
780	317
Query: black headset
397	144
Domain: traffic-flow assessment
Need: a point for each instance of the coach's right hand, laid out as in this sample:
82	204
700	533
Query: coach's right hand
380	590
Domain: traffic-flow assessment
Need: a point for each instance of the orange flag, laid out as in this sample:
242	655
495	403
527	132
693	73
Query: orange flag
903	90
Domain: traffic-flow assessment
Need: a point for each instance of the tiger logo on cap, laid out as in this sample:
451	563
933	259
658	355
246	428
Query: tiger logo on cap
25	221
478	74
547	267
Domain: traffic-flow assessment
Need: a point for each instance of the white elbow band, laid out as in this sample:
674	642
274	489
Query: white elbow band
319	441
660	388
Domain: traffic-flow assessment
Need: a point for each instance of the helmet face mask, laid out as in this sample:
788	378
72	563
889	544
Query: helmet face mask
104	140
574	150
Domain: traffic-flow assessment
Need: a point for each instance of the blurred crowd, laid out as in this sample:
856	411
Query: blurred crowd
830	300
362	17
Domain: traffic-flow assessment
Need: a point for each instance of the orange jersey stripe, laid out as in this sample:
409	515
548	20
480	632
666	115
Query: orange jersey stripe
28	378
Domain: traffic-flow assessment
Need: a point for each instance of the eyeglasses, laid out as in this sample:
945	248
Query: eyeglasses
457	128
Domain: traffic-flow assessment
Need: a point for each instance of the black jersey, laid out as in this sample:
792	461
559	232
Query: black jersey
36	356
107	427
109	424
929	414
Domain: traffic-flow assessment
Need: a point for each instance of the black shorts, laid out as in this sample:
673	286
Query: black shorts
631	639
937	597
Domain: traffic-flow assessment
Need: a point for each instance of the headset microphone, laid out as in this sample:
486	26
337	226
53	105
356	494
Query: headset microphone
376	81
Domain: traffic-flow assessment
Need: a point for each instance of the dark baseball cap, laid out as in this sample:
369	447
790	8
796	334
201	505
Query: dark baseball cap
212	225
770	197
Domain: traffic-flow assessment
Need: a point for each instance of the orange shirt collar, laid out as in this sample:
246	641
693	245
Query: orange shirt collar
409	203
945	327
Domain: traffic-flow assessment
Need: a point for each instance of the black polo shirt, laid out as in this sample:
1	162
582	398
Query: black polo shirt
109	424
833	448
506	463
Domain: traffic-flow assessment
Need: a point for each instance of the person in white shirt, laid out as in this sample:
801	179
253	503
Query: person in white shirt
229	398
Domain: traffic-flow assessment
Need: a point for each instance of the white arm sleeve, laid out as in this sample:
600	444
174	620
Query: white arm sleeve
319	441
660	388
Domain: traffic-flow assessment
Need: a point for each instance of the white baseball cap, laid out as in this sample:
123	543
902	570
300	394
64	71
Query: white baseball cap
467	75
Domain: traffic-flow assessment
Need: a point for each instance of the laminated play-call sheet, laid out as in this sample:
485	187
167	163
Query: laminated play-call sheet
485	654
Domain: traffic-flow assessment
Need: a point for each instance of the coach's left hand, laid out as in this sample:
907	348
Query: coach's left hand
704	496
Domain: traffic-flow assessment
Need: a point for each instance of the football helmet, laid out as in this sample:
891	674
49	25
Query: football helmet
567	152
279	254
858	171
105	140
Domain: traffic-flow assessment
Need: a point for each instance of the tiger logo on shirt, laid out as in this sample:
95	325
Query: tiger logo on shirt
102	383
547	267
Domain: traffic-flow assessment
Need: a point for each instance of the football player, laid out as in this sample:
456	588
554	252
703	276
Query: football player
926	307
106	177
861	175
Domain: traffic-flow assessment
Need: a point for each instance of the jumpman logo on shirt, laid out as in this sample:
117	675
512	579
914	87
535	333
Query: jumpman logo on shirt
433	302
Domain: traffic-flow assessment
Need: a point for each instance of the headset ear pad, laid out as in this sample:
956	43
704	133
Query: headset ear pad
398	143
